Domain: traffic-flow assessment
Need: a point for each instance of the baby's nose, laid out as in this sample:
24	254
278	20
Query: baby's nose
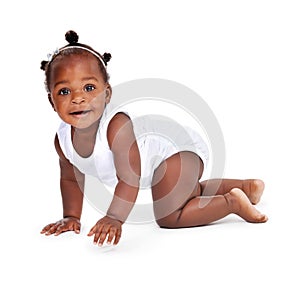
78	98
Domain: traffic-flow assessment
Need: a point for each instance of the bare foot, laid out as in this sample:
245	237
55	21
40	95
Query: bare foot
243	208
253	188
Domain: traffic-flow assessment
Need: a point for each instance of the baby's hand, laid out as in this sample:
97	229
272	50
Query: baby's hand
106	227
65	224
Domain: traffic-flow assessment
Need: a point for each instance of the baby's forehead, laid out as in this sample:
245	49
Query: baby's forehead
75	64
76	61
79	57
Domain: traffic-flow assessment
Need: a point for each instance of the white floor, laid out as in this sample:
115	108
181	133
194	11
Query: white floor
230	259
243	59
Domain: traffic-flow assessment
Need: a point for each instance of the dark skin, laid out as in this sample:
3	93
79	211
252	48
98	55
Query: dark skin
77	85
79	94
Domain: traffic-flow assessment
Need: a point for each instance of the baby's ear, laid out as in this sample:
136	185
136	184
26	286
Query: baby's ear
108	93
51	102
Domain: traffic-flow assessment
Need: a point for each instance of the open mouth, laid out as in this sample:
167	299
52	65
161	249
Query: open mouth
80	112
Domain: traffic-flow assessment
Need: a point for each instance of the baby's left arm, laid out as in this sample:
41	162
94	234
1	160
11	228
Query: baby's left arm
122	142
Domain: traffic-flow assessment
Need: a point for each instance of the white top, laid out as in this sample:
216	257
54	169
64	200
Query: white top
158	138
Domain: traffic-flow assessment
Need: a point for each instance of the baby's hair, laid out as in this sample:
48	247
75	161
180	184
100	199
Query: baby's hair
75	48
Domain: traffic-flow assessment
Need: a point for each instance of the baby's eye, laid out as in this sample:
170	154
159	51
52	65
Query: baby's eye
89	88
64	91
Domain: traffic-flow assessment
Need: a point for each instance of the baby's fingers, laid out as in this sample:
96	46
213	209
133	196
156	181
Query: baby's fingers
103	235
76	227
96	230
52	229
92	231
117	237
46	228
60	229
112	234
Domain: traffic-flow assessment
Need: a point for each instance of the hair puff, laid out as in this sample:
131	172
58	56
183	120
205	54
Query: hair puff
106	57
71	37
44	64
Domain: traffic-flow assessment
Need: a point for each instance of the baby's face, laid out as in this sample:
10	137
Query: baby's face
77	90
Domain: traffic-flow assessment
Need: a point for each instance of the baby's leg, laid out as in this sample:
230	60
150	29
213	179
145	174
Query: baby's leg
203	210
176	196
253	188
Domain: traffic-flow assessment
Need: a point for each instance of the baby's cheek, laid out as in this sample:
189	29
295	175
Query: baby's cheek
96	97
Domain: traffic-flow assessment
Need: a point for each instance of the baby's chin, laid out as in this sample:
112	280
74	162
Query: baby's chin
85	124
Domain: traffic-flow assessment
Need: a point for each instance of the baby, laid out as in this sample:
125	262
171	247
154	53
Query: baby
78	89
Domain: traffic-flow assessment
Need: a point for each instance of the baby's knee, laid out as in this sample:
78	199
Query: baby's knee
170	221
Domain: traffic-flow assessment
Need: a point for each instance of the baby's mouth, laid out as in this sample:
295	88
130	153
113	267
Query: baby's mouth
80	112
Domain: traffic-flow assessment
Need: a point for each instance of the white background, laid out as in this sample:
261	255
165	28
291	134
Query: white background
243	58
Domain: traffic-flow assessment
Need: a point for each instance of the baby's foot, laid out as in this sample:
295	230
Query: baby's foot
242	207
253	188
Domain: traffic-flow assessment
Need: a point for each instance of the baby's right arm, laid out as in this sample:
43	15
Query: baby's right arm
71	186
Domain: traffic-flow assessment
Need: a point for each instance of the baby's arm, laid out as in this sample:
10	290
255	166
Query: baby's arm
71	185
123	144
